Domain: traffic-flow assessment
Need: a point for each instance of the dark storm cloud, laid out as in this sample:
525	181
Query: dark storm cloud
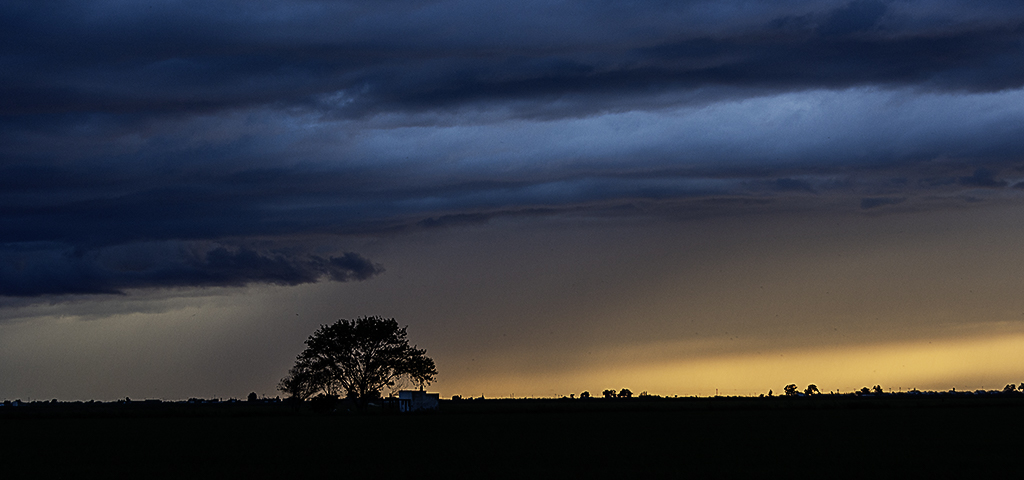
49	270
854	17
113	57
983	178
131	125
793	185
869	203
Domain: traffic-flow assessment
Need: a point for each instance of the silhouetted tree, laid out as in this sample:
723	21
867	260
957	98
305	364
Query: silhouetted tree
358	358
608	393
790	390
585	394
877	389
304	381
625	393
811	389
252	397
864	391
1010	388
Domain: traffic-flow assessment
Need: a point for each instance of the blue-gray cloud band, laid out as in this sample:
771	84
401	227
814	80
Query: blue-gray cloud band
128	126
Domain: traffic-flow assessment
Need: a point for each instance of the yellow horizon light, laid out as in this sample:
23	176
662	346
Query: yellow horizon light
965	364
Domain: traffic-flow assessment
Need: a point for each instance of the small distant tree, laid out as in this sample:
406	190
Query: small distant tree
608	393
625	393
877	389
790	390
811	389
585	394
864	391
1010	388
252	397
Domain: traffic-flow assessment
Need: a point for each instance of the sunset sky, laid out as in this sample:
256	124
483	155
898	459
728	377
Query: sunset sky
682	197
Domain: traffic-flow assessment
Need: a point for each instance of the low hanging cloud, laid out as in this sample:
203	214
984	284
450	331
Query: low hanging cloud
114	270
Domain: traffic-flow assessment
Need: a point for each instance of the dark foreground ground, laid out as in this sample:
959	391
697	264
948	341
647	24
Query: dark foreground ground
825	436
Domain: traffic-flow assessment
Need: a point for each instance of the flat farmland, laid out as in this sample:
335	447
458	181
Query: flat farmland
840	436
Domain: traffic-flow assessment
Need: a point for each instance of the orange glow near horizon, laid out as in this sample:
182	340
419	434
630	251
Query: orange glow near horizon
938	365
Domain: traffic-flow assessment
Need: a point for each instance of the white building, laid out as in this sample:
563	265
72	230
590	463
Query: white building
417	400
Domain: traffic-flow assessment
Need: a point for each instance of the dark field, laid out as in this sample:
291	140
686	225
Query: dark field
823	436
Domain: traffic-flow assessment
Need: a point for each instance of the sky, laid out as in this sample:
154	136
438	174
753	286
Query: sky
683	198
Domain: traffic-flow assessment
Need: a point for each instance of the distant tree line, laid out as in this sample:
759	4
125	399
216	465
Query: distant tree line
792	390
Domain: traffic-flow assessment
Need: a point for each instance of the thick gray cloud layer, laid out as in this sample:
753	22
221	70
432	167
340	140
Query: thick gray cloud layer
138	125
51	271
363	58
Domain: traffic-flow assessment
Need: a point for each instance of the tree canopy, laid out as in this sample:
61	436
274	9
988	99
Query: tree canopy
791	390
358	358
